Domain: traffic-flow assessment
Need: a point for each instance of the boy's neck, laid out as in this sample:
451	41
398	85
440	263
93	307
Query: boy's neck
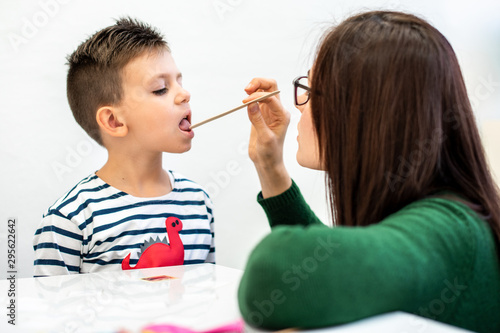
140	177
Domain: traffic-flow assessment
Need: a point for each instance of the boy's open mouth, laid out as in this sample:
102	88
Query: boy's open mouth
185	124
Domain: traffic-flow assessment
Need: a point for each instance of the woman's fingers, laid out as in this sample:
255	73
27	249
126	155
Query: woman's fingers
258	121
261	84
270	110
271	107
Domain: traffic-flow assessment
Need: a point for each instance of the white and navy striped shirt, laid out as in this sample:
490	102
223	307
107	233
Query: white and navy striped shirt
94	226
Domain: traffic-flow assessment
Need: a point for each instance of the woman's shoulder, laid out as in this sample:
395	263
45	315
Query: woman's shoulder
443	227
440	213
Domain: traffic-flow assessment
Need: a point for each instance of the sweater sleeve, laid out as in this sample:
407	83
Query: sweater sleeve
308	275
288	208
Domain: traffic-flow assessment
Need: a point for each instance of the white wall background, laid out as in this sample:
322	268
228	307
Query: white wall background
219	45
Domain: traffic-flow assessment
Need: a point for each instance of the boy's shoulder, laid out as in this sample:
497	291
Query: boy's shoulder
89	187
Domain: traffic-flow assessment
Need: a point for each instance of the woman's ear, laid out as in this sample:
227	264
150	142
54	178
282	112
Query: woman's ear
109	121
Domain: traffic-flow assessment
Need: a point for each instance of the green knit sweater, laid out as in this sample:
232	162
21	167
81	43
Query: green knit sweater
433	258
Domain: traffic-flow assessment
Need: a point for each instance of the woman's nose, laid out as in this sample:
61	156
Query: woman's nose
300	107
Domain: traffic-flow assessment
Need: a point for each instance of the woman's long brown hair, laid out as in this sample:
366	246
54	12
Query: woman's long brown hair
394	121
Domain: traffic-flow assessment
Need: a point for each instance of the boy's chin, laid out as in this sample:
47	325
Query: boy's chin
179	150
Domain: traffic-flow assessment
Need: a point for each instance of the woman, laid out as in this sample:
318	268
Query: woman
417	214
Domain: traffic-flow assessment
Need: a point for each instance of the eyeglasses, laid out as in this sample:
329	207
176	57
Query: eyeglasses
301	89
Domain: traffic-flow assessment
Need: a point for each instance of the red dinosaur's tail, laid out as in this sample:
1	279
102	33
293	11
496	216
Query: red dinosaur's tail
126	263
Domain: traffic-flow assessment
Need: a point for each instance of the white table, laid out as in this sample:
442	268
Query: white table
199	297
395	322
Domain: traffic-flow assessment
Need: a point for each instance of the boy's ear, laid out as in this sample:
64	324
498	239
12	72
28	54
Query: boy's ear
110	122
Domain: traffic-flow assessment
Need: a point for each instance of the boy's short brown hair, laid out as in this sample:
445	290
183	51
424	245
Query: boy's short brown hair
95	68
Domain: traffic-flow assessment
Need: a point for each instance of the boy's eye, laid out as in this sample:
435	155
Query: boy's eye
160	92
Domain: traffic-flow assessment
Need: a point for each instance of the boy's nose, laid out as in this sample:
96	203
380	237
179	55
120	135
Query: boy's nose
183	96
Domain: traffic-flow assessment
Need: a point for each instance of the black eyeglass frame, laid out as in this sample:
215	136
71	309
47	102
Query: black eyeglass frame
297	85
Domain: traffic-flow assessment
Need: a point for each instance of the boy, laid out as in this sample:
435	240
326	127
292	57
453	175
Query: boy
126	92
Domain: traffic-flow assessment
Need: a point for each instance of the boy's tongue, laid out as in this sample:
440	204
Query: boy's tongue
184	125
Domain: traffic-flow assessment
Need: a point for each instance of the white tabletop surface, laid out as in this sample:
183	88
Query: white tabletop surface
198	297
394	322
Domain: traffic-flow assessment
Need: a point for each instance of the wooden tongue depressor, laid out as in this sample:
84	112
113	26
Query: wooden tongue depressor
235	109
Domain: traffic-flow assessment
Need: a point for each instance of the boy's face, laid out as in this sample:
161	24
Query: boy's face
154	106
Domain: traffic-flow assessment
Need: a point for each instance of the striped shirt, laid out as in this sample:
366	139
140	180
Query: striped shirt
94	226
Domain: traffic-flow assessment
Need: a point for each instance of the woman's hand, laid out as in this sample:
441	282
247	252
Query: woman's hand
269	124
